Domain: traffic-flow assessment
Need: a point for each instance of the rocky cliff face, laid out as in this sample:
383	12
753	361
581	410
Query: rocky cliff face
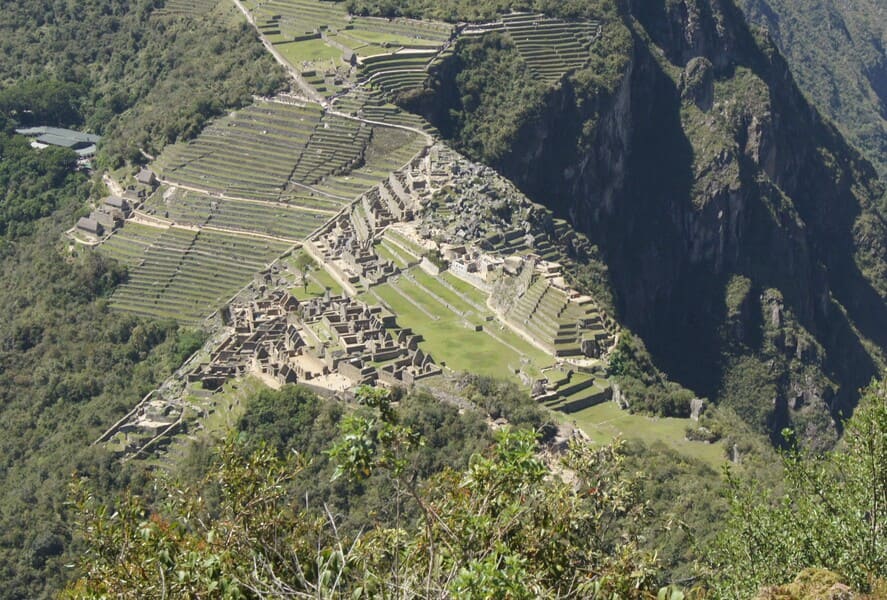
705	164
837	53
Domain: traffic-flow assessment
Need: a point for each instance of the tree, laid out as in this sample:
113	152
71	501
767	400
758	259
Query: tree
832	513
507	526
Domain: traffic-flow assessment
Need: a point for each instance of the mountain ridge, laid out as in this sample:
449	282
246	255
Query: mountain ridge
708	163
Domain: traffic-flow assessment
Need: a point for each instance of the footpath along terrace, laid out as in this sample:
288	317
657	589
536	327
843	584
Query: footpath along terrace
181	273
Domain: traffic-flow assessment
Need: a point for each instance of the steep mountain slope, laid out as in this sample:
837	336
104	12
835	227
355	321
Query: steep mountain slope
740	229
837	51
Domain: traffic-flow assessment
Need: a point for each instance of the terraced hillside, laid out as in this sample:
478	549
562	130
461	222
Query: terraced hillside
293	220
398	72
252	185
184	274
249	154
187	8
388	150
279	151
283	20
334	51
336	146
557	322
551	47
371	105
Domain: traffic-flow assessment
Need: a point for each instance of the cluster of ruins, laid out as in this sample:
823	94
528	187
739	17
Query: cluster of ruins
114	210
328	342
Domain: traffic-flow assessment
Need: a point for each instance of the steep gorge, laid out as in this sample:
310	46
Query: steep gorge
740	229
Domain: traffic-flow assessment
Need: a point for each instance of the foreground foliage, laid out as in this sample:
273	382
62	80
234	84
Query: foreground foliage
832	513
504	526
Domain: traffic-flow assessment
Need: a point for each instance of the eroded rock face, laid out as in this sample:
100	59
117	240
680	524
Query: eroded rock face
697	83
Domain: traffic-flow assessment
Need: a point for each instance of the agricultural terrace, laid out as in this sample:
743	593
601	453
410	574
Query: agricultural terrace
321	41
186	8
249	154
293	220
388	150
276	151
551	47
184	274
371	105
336	146
398	72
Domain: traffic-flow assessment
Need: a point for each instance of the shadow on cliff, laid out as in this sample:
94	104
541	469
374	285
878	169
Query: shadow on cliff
632	193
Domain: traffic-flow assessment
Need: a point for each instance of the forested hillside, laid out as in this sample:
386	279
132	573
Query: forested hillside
124	70
837	52
69	367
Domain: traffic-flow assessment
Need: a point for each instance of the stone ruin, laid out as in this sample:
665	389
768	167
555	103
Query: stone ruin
307	342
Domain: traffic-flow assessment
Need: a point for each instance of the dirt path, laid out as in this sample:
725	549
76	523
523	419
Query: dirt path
113	185
309	91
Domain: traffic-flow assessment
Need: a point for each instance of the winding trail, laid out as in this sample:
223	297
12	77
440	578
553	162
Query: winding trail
309	91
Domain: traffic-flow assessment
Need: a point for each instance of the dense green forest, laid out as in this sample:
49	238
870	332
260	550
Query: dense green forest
119	70
69	367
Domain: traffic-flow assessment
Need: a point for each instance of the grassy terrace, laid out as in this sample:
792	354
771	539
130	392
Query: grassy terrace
450	337
335	146
371	105
128	245
185	275
277	219
406	32
406	247
551	47
297	17
190	8
393	73
605	421
308	51
269	152
249	154
388	150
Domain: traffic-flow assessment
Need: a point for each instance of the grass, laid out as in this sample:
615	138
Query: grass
308	51
465	288
605	421
450	341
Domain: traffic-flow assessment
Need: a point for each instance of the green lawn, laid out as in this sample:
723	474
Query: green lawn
308	51
322	276
476	295
405	243
605	421
447	339
318	280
